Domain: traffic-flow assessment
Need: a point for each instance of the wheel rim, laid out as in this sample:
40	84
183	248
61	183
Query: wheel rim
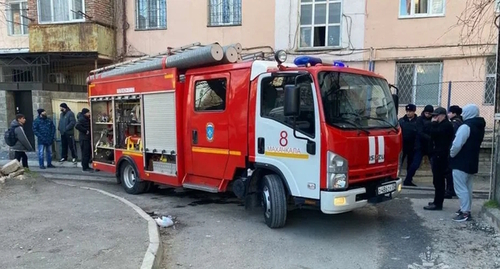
266	202
129	176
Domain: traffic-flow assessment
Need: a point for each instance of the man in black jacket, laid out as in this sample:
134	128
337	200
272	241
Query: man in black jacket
422	143
442	133
83	126
455	116
408	125
464	155
66	127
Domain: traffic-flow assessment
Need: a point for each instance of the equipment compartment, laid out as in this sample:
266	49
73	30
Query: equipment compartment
128	114
102	129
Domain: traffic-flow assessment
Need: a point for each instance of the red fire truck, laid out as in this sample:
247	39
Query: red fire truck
211	118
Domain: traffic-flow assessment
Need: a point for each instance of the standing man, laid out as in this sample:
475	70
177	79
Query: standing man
45	131
441	138
22	144
66	127
83	126
409	127
455	116
464	155
422	143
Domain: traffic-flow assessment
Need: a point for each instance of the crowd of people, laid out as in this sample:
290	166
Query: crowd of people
452	141
45	132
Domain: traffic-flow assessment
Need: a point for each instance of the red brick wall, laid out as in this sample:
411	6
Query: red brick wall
99	10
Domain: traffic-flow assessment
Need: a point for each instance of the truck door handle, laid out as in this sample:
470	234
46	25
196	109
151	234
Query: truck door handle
261	144
195	137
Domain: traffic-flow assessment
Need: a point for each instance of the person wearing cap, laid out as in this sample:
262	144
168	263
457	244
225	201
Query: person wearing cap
441	133
455	116
45	132
464	160
83	126
408	125
66	127
422	143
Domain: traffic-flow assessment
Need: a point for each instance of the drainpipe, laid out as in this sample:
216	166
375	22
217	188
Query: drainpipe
125	26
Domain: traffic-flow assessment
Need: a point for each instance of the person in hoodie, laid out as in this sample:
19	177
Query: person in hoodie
66	127
422	143
464	160
408	125
45	131
83	126
455	116
441	132
22	144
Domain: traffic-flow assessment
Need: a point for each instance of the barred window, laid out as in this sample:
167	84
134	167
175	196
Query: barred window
320	23
224	12
419	83
489	90
17	17
421	8
151	14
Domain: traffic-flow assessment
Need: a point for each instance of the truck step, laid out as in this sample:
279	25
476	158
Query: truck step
201	187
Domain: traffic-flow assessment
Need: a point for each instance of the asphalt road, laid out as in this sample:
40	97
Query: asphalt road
214	231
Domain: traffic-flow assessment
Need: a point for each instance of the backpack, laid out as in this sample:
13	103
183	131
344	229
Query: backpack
10	136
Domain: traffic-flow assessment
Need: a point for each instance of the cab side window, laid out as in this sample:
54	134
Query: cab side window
271	106
210	95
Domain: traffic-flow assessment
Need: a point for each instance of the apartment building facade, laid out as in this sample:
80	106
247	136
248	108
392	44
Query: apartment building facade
430	51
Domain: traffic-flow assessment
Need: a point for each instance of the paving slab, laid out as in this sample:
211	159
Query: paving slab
48	225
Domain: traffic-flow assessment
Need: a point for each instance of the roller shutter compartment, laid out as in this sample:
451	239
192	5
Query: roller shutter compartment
159	122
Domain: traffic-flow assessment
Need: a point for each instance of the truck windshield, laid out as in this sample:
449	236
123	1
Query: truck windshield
356	101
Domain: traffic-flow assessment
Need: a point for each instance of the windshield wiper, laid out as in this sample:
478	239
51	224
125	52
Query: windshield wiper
381	119
357	126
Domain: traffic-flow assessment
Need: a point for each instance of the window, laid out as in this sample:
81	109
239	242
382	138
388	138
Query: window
210	95
54	11
320	23
419	83
224	12
271	104
421	8
18	18
489	90
151	14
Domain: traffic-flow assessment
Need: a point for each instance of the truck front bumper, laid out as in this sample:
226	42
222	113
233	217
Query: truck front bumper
345	201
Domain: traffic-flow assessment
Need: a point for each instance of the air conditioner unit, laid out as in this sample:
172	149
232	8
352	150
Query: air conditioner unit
58	78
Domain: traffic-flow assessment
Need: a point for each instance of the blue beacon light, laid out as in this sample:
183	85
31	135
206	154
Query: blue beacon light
304	60
338	64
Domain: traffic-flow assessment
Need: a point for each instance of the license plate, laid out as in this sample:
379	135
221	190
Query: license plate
386	188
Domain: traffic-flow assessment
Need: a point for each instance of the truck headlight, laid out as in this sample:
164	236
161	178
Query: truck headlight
337	178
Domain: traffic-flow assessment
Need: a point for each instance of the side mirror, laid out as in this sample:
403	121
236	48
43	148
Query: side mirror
291	105
395	98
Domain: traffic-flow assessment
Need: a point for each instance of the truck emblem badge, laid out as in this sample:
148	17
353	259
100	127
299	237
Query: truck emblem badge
376	149
210	131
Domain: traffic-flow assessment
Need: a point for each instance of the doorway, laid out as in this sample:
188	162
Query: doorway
24	104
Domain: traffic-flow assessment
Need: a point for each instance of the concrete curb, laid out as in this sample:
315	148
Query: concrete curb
432	189
492	216
152	258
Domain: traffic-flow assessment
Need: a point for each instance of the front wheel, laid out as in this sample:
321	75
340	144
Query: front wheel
274	201
130	179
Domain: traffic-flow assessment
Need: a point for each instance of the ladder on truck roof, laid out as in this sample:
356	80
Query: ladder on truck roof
189	56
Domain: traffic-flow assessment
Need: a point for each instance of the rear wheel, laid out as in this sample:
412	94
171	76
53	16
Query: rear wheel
274	201
130	179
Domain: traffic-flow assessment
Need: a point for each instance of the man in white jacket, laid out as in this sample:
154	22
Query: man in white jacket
464	160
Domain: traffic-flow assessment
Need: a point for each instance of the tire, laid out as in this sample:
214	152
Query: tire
130	180
274	201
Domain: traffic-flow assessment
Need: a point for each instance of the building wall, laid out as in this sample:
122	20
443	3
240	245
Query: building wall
257	27
352	28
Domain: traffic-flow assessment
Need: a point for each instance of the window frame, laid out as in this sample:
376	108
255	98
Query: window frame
314	107
10	16
235	21
206	79
158	21
489	75
412	14
414	82
70	7
326	25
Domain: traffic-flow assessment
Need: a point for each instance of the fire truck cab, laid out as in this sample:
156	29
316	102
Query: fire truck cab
282	135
